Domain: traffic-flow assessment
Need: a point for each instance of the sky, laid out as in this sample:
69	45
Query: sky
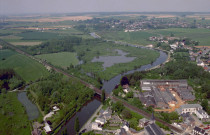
74	6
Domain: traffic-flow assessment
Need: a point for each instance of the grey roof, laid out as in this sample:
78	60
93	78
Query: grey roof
186	94
190	106
199	130
153	129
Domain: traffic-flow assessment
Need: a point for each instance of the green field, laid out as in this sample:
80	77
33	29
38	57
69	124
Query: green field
201	35
26	68
37	35
140	37
63	59
13	118
143	57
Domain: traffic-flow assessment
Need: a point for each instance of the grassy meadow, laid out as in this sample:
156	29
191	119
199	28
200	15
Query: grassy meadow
37	35
143	57
26	68
140	37
13	117
62	59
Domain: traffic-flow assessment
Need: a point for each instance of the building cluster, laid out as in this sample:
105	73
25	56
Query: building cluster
202	57
121	127
157	93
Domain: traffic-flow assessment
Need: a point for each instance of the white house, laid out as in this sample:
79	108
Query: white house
193	108
94	126
100	120
47	128
201	114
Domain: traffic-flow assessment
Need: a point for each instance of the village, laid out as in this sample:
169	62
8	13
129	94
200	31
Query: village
163	96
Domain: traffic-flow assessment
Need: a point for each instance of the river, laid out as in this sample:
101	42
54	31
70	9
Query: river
31	109
85	113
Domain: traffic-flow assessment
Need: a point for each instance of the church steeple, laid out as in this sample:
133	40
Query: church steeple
153	117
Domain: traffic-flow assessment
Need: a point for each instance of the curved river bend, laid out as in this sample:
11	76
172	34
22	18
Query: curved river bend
86	112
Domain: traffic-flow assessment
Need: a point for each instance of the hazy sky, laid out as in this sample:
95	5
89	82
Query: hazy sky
69	6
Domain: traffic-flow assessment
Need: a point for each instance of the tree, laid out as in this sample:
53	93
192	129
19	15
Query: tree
126	114
204	104
103	97
124	81
118	107
76	125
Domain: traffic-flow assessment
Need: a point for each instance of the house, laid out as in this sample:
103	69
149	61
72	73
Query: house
193	108
95	126
143	122
126	88
200	63
55	108
201	114
100	120
188	120
36	132
188	108
47	128
199	131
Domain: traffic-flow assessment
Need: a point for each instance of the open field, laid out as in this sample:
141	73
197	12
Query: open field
37	35
51	19
63	59
26	43
26	68
13	118
140	37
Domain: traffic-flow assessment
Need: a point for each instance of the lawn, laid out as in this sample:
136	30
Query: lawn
26	68
37	35
13	117
63	59
140	37
201	35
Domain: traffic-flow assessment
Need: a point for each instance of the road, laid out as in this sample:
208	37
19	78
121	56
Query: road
98	91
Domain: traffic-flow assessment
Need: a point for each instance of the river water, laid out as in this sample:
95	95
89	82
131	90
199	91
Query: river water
85	113
31	109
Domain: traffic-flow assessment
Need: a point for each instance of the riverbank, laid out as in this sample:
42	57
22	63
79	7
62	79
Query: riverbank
87	124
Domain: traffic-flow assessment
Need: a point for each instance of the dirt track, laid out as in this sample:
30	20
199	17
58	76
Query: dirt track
172	108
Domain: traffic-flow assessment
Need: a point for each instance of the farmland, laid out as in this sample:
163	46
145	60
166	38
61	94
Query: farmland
37	35
26	43
26	68
62	59
14	119
140	37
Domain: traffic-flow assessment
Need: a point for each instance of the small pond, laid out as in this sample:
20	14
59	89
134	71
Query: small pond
31	109
111	60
